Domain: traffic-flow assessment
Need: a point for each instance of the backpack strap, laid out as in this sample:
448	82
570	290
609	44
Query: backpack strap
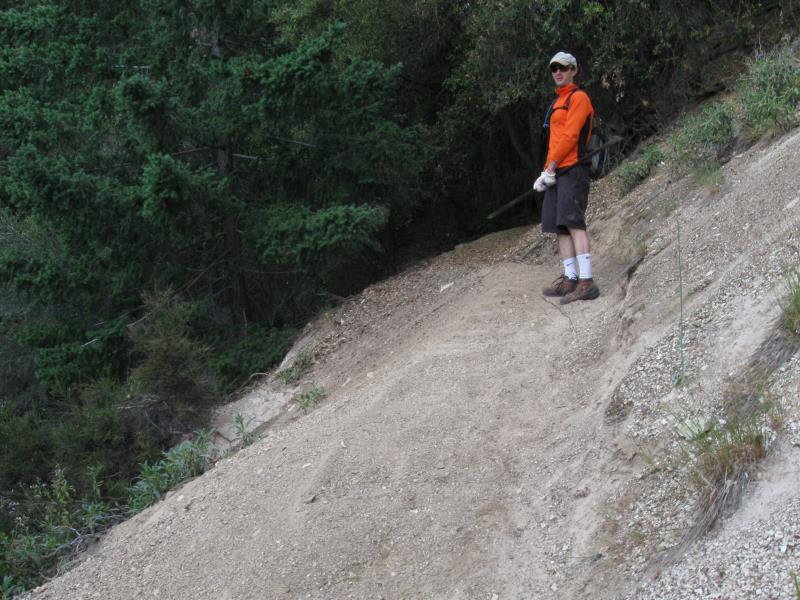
551	110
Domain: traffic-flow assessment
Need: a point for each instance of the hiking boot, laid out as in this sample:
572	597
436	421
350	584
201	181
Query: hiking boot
585	290
561	287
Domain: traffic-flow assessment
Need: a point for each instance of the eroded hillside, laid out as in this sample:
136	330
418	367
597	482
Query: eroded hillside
479	441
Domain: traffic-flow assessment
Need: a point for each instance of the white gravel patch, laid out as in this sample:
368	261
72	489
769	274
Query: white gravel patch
759	561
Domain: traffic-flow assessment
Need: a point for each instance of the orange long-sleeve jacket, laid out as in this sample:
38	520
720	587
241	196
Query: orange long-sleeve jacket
570	129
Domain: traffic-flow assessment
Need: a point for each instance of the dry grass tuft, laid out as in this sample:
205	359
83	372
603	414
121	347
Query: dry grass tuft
790	318
725	454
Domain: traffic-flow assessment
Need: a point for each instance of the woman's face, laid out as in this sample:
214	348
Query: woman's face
562	75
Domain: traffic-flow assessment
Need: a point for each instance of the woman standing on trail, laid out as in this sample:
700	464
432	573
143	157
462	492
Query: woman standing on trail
565	182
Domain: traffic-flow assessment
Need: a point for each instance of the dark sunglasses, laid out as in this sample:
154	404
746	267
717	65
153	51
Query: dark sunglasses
559	67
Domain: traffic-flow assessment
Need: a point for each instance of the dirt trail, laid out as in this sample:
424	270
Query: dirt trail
475	434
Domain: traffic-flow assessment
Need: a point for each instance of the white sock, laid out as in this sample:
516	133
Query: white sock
585	265
569	268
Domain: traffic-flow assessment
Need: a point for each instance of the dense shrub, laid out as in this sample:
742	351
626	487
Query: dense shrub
26	446
17	372
767	101
706	139
186	460
93	430
303	239
258	351
173	379
635	170
51	522
770	93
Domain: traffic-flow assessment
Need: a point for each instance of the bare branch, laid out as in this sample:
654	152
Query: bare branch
192	151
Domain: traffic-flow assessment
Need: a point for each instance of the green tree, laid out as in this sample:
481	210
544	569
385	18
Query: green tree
184	146
159	161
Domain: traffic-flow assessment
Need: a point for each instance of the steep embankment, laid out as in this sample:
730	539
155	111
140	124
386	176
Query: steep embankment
479	441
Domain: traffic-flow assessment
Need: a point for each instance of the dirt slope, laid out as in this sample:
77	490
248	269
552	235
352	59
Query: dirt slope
478	441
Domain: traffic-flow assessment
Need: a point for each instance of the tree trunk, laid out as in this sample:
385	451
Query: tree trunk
535	130
515	141
237	285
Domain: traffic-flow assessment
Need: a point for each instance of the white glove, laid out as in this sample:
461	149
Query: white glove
539	185
549	178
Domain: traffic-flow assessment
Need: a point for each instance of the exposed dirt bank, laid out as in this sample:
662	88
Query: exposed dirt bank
481	442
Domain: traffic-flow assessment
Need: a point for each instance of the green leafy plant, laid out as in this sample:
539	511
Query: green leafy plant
245	437
632	172
309	399
705	139
94	370
52	524
770	93
8	589
305	239
299	368
188	459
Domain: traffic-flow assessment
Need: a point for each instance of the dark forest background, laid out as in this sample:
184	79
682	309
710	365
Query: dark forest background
183	184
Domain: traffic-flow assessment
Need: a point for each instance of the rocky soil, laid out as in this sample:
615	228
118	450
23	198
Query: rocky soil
478	441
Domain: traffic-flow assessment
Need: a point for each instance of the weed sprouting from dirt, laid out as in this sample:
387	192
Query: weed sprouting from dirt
710	177
309	399
722	454
245	437
299	367
727	450
790	305
632	173
724	451
725	454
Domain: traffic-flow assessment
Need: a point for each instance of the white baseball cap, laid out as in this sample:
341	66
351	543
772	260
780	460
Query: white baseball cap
564	58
